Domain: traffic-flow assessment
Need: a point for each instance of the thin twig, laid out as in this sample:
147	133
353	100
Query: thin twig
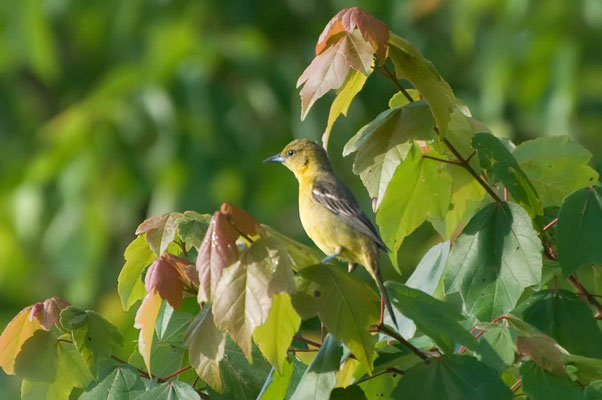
142	372
442	160
387	371
548	226
516	385
388	331
302	339
587	296
302	350
386	72
178	372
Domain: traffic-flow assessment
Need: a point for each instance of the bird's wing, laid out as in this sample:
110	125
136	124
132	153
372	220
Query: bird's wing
335	196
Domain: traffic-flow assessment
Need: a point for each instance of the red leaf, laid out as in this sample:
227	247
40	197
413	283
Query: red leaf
186	268
217	251
329	69
373	30
242	220
164	277
47	313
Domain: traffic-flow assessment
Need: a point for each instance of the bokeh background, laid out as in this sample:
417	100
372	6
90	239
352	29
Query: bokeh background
112	111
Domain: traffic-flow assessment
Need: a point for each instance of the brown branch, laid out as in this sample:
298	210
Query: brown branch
178	372
386	72
442	160
516	385
142	372
391	370
585	295
302	339
548	226
302	350
390	332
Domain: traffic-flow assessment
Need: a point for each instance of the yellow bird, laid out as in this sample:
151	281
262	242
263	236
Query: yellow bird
330	214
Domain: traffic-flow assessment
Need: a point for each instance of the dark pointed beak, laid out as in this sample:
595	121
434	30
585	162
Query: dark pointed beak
275	158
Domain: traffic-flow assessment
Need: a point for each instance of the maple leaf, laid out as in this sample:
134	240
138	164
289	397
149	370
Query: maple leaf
18	330
146	317
160	230
242	220
329	69
186	269
217	251
164	277
47	312
373	30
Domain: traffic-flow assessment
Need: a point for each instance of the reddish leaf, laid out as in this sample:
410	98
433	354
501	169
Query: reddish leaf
242	220
160	230
373	30
217	251
146	317
164	277
329	69
186	268
47	313
16	332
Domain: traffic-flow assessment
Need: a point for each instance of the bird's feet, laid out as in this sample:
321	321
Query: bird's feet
330	257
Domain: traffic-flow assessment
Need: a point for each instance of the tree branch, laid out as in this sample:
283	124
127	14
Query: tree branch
302	339
387	371
390	332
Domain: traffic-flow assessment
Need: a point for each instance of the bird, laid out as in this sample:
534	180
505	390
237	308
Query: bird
330	214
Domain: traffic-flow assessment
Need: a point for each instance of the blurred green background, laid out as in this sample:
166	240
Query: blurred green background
117	110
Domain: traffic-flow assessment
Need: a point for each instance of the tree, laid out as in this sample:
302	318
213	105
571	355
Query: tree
223	301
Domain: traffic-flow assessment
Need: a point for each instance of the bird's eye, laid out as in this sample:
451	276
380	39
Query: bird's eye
291	152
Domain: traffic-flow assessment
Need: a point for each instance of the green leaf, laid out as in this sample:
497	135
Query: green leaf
301	255
191	228
410	64
243	381
123	383
563	316
541	385
138	256
94	336
452	377
348	393
243	296
502	167
160	231
275	335
380	387
399	99
352	86
382	144
420	188
543	351
593	391
172	390
171	325
495	258
579	229
426	278
18	330
66	364
278	384
588	369
345	304
434	318
206	345
496	346
320	377
556	166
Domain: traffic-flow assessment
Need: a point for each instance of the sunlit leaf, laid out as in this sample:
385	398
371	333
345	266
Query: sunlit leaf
275	335
329	69
345	304
588	369
373	30
279	384
578	232
348	393
320	377
192	227
345	95
410	64
382	144
138	256
495	258
18	330
123	383
242	220
160	231
206	344
243	296
164	278
563	316
452	377
556	166
380	387
399	99
301	255
145	321
503	168
544	352
47	313
172	390
419	188
434	318
217	251
94	336
541	385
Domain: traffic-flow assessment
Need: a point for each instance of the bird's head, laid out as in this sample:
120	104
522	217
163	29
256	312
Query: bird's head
302	156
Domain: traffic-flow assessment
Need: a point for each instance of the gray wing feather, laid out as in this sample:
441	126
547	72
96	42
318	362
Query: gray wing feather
335	196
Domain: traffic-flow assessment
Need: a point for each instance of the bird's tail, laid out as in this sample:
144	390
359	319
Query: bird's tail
383	292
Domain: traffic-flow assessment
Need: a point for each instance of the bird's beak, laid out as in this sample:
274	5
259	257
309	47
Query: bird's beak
275	158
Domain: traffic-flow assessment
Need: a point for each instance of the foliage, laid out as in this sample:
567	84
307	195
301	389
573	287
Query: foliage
227	307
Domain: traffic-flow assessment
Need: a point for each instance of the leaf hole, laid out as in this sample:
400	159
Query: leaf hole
317	293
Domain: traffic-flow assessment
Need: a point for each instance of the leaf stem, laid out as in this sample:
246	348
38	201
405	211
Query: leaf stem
302	350
387	371
388	331
302	339
548	226
178	372
516	385
442	160
587	296
386	72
